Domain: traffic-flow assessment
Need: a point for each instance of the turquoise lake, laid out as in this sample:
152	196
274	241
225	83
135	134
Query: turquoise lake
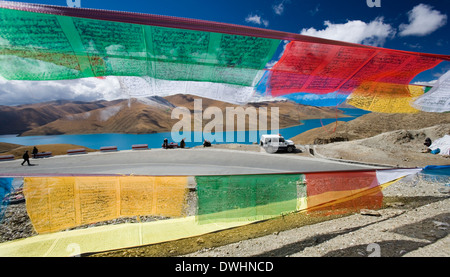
125	141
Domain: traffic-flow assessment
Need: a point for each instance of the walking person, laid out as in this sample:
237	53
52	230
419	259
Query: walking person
26	158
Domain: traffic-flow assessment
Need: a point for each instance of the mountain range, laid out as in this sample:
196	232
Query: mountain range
136	115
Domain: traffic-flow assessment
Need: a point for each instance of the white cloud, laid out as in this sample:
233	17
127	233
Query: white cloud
429	83
256	19
373	33
413	46
279	8
423	20
86	89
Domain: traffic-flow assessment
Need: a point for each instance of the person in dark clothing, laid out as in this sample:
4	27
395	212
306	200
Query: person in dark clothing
165	143
182	143
206	143
35	151
26	158
427	142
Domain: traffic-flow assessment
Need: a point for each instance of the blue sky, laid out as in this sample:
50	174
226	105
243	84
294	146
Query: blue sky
413	25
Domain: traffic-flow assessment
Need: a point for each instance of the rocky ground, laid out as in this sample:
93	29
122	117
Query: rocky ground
415	221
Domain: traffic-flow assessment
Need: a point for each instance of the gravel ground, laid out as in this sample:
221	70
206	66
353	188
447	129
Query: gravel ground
16	224
415	221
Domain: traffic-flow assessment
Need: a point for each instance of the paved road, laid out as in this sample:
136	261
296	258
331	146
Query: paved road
175	162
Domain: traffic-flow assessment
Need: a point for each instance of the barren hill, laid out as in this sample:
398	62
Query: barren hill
55	149
370	125
18	119
123	117
5	147
401	148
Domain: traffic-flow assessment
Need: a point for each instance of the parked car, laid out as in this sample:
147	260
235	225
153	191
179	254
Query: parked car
274	143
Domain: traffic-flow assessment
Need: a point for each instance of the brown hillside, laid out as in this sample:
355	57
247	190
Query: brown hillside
399	148
373	124
147	116
56	149
5	147
18	119
123	117
187	101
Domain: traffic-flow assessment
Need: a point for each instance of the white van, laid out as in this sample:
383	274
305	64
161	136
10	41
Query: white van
274	143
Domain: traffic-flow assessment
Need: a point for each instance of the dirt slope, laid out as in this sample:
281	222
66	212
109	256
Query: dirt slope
56	149
400	148
18	119
373	124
